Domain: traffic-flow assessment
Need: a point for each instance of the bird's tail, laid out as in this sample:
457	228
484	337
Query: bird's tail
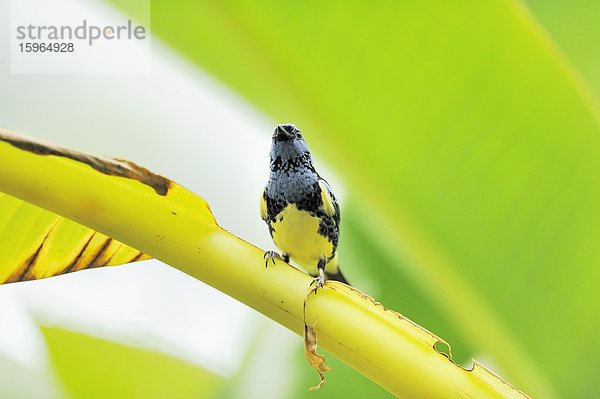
337	276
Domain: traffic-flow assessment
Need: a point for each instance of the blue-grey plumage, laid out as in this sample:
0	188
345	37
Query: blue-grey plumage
300	209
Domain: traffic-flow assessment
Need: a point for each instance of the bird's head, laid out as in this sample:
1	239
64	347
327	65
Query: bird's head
289	147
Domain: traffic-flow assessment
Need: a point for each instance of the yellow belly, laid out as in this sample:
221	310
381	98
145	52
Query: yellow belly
295	233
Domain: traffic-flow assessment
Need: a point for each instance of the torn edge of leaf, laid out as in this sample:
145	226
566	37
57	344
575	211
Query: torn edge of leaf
108	166
316	360
428	338
185	200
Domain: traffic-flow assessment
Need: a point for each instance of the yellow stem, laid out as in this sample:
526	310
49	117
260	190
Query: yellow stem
178	228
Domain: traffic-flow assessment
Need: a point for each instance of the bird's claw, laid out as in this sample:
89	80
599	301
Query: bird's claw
271	256
318	282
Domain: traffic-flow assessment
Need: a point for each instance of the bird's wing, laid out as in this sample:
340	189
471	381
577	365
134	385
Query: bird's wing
330	204
263	206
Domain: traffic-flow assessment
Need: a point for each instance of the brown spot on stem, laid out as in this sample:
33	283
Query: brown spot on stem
108	166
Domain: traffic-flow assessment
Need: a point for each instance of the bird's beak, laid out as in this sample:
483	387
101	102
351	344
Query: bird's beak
283	132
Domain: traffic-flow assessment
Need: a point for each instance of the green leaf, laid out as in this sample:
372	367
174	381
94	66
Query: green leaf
574	26
90	367
473	147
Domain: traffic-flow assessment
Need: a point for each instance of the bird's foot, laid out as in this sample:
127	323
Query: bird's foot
271	256
318	281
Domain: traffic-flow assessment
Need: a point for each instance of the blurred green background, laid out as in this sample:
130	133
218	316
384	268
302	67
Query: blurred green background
464	138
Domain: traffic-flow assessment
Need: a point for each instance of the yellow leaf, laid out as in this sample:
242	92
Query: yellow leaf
36	243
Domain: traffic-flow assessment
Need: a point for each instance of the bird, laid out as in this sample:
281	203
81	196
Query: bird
300	209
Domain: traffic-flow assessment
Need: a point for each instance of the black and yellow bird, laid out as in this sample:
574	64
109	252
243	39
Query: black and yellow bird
300	209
